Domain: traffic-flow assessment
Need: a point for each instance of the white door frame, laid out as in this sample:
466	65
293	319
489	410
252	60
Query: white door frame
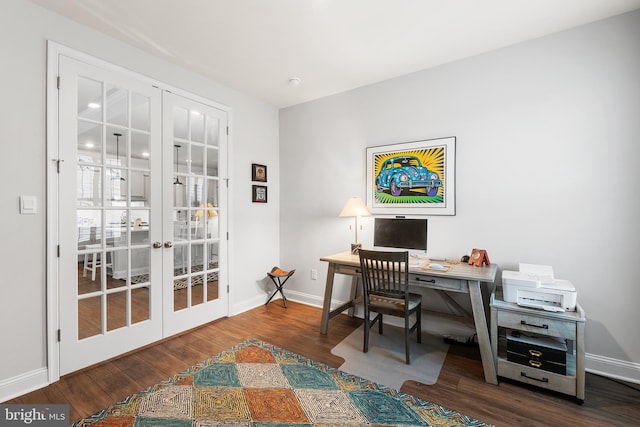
54	50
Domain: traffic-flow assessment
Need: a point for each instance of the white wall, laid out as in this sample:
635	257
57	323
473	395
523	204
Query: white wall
24	30
547	151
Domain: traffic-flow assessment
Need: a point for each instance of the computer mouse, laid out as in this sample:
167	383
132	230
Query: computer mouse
436	266
465	258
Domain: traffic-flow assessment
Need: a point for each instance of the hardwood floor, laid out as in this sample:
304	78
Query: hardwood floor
460	385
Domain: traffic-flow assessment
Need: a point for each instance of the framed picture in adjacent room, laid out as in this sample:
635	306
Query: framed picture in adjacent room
258	172
259	194
412	178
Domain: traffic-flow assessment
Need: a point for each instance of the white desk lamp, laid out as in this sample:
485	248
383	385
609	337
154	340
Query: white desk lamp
355	207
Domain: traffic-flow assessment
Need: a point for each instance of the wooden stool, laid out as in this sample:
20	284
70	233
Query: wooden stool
279	277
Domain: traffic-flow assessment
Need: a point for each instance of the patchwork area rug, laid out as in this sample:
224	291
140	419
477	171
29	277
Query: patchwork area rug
257	384
384	363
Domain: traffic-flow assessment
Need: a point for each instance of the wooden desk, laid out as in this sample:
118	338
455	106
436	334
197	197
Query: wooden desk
459	278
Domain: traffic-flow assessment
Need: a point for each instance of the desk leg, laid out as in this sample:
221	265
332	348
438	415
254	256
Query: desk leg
326	303
480	320
354	295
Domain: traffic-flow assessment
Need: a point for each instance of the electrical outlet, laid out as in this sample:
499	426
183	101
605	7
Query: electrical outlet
314	274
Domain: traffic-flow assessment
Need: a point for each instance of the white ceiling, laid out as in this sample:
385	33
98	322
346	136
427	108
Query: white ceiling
256	46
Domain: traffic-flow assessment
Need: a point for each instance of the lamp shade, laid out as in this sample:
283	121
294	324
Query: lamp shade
355	207
211	212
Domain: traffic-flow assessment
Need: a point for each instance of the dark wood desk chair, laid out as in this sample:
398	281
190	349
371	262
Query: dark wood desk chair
385	278
279	278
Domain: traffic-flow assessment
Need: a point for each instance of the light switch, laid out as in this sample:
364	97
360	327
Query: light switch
28	205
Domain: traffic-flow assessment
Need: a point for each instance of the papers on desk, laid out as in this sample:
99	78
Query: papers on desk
426	264
436	267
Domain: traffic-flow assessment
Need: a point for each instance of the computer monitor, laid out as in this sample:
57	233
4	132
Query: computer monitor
401	233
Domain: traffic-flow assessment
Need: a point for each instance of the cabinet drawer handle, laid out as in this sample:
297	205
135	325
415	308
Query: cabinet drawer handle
524	322
535	363
543	380
535	353
425	280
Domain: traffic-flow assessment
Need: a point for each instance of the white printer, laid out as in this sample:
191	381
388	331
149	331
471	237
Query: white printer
535	286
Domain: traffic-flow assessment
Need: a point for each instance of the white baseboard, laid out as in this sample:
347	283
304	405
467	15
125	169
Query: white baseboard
612	368
22	384
259	300
312	300
247	304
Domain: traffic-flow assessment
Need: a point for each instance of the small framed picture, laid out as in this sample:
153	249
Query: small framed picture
259	194
258	172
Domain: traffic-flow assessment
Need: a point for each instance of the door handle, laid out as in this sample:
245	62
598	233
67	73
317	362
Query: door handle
157	245
168	244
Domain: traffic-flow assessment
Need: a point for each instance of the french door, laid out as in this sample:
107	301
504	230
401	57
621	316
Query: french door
140	213
193	192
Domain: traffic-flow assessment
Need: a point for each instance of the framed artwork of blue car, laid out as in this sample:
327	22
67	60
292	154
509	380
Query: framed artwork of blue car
415	178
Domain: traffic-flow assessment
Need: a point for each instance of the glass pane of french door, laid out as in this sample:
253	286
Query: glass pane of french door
111	276
196	200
